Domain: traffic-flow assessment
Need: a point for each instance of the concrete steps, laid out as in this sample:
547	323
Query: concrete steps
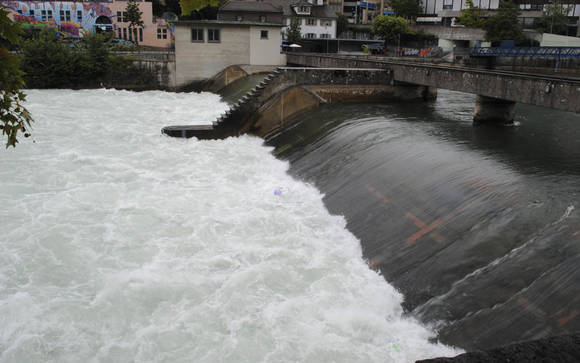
228	123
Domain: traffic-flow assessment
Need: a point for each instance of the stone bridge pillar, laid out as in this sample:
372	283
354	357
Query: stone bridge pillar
489	110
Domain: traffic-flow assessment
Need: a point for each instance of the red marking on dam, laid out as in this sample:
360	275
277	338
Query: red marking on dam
424	228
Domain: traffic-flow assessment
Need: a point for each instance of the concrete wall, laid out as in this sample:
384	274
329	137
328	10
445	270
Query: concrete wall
198	61
266	51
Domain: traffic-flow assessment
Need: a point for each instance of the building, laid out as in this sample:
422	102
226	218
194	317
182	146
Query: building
317	19
443	12
77	18
203	48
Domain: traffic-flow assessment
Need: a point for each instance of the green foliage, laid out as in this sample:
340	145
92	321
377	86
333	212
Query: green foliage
293	33
553	20
190	6
472	16
341	24
390	27
14	117
408	9
134	18
504	24
49	62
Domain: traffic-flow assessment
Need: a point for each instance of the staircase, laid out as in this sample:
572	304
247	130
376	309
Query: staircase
229	123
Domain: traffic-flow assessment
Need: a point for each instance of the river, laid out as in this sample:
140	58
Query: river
478	227
119	244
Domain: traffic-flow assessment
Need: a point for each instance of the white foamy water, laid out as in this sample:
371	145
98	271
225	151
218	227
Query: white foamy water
119	244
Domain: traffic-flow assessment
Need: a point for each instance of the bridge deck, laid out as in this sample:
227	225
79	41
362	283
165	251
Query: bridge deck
551	91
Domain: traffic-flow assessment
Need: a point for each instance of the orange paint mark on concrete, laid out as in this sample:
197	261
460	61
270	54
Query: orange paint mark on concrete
376	193
566	319
424	228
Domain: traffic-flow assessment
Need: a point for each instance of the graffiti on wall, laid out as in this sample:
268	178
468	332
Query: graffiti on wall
71	18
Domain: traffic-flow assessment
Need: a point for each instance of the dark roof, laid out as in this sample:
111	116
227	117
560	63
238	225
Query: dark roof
251	6
225	22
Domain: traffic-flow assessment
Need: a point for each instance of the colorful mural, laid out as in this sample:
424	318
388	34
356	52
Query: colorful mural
75	19
71	18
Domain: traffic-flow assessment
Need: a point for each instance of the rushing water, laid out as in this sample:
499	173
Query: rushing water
119	244
478	227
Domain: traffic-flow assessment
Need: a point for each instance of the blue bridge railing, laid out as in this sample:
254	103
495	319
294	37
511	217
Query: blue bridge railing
552	52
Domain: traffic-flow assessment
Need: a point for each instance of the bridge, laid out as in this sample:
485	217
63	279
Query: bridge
497	91
286	92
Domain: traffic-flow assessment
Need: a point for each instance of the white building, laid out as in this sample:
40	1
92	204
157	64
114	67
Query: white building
317	21
205	48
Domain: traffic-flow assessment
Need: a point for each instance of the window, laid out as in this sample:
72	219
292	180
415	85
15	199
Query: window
140	34
32	13
310	21
304	9
310	35
19	11
43	15
125	33
67	15
263	34
262	18
130	34
447	4
161	33
213	35
325	36
119	16
196	35
49	15
79	15
119	33
124	16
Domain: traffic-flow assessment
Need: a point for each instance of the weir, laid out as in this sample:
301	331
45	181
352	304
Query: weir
287	92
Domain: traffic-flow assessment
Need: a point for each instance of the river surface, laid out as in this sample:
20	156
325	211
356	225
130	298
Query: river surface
478	227
119	244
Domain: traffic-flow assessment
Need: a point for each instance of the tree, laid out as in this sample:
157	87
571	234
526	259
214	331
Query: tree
293	34
504	24
390	27
472	16
553	20
14	117
408	9
134	18
195	6
341	24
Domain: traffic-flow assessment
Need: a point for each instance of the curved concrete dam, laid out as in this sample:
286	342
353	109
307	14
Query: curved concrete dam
478	227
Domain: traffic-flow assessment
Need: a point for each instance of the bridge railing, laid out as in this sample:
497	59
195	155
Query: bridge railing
551	52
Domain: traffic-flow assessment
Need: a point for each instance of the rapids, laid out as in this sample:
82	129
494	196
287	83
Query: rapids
119	244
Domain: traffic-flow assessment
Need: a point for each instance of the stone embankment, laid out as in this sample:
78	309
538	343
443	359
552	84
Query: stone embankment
285	93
